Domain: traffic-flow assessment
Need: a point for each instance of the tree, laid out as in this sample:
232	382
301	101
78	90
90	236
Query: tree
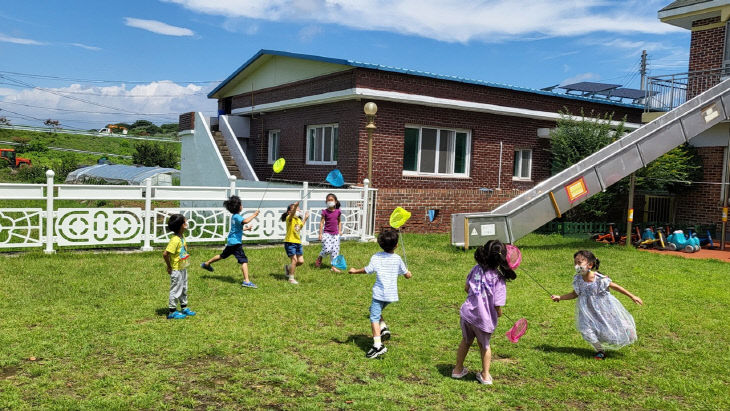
55	124
4	121
576	139
169	128
151	154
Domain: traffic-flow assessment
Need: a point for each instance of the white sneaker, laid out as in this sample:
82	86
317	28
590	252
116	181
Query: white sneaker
483	381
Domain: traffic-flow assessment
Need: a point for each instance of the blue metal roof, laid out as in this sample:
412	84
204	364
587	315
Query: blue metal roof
381	67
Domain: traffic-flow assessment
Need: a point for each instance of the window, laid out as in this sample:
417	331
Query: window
523	165
322	144
435	151
273	146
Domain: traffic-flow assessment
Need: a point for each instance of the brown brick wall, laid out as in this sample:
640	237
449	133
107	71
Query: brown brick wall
186	121
706	46
447	201
701	203
323	84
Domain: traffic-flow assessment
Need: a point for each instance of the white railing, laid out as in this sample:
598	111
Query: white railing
145	225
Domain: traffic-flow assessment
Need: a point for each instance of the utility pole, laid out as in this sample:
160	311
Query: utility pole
632	179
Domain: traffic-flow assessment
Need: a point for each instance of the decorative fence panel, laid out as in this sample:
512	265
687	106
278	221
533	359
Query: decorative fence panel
135	221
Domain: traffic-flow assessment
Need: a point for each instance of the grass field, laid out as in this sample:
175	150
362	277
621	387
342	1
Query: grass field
94	325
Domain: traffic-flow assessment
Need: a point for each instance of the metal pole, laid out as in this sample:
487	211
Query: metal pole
499	173
364	217
305	207
370	153
49	212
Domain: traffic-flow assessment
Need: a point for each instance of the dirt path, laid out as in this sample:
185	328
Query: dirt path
704	253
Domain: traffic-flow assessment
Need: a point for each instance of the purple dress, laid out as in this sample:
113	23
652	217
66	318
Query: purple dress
486	290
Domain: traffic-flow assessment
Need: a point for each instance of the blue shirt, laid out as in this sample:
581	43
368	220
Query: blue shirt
236	233
388	267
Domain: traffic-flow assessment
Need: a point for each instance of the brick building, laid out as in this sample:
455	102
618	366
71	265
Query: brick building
441	143
709	62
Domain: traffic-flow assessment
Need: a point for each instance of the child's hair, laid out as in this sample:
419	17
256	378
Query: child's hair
388	239
233	204
493	255
175	223
589	257
337	202
286	213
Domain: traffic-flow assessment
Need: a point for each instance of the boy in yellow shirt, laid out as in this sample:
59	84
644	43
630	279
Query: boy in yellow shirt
177	259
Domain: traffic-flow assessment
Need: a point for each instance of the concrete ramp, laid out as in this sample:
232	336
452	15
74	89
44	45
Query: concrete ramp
567	189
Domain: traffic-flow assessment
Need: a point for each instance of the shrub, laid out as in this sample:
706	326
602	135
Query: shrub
32	175
148	153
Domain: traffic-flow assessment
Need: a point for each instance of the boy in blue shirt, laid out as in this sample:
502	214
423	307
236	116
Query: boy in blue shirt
234	244
388	267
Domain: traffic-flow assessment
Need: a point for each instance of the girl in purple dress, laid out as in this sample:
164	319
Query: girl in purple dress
486	295
330	227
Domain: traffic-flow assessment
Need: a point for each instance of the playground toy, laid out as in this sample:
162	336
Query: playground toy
679	241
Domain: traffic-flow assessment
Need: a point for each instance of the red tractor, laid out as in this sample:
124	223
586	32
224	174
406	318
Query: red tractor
8	154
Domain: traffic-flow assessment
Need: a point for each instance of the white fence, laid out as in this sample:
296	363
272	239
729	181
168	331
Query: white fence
51	227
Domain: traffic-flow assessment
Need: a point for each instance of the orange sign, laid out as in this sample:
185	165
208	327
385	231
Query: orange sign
724	214
631	215
576	189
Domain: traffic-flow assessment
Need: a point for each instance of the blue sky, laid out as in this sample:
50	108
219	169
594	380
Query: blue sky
88	63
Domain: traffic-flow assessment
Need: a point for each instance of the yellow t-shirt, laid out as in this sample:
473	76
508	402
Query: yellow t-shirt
294	226
177	251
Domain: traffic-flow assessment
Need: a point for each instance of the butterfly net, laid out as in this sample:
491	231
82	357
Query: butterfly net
514	256
398	217
517	330
335	178
339	262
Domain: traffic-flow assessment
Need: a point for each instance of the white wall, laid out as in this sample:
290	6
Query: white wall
201	164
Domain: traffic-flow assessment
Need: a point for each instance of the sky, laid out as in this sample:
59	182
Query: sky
91	63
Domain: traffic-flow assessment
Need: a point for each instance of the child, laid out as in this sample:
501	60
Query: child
295	220
234	244
600	317
330	227
486	295
177	259
388	267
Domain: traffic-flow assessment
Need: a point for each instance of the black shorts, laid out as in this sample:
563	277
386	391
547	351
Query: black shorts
237	251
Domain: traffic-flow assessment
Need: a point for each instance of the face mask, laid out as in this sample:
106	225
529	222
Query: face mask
299	213
579	269
331	204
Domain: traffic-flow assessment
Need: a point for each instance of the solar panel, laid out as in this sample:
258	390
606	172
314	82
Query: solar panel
589	87
631	93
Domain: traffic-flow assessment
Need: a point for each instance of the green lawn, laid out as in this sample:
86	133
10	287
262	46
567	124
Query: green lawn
94	324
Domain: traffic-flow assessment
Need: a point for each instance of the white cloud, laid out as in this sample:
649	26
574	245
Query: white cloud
159	102
18	40
308	33
454	20
581	77
84	46
157	27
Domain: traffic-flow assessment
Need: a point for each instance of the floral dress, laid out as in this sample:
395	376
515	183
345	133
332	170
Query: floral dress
599	316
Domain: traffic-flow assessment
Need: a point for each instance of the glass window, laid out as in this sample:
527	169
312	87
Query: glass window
435	151
322	144
522	165
273	146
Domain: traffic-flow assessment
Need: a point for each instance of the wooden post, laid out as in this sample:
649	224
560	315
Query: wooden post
466	233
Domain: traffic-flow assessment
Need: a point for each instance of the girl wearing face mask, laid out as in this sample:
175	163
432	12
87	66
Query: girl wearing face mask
295	220
599	316
330	227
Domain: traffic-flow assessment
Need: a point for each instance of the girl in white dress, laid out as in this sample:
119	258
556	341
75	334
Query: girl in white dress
599	316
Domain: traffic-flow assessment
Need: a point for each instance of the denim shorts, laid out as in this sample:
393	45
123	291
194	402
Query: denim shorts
293	249
376	310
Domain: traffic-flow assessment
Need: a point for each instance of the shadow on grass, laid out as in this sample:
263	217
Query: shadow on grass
278	276
162	311
577	351
223	278
361	340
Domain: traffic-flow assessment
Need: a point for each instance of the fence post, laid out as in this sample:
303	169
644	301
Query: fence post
231	185
49	212
305	207
364	217
147	215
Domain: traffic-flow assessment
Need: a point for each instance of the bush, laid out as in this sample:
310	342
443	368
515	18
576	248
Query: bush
32	175
151	154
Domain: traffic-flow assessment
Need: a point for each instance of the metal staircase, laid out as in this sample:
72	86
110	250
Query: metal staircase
565	190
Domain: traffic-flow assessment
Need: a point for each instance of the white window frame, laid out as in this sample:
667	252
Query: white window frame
451	149
519	159
271	156
335	126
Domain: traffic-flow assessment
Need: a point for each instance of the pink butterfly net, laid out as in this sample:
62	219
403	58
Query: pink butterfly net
514	258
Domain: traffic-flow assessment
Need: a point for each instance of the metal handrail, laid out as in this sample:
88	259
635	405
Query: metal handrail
669	91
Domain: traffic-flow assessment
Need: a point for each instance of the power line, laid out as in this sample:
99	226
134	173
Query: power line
82	80
92	112
109	95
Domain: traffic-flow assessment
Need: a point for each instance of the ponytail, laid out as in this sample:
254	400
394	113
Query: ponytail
493	255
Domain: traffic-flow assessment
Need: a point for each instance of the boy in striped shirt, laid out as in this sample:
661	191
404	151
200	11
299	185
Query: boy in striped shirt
388	266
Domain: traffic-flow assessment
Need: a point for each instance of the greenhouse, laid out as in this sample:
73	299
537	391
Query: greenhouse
122	174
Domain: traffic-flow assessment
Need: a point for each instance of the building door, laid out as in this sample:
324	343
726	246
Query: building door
659	209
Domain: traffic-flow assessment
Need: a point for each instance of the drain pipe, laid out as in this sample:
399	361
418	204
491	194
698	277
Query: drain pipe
725	200
499	173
